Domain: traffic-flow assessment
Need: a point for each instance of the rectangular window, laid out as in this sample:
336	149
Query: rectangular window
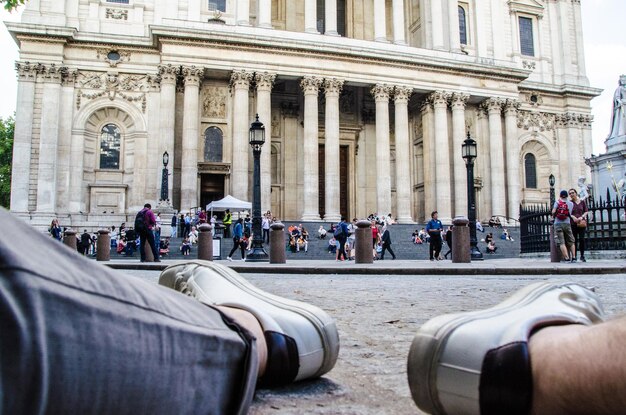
217	5
527	45
118	1
462	25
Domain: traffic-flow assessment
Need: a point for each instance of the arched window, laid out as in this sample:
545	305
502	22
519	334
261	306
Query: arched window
110	145
213	139
462	25
530	167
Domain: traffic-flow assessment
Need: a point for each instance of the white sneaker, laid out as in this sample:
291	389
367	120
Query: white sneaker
303	341
229	258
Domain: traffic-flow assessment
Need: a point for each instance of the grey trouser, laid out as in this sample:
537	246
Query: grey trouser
79	338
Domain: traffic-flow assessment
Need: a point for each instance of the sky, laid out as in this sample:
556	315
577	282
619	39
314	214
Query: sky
605	56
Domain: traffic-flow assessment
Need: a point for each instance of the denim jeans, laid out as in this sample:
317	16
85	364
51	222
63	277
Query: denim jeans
77	337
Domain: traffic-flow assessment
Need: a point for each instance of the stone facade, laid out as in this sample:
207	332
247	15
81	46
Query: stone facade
365	105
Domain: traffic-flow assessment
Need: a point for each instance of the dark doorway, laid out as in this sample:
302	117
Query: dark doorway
211	188
343	181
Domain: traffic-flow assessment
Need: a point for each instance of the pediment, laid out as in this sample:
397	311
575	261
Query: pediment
534	7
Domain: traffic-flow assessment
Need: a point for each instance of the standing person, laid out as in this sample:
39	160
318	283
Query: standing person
386	239
202	216
187	225
434	228
157	232
238	241
173	226
55	230
144	225
374	228
181	225
266	228
341	234
449	243
228	219
561	211
85	243
580	213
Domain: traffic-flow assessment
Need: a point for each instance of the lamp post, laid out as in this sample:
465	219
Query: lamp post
551	180
257	139
554	251
469	152
164	177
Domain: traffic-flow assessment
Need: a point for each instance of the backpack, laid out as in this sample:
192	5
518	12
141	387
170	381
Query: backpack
140	221
562	211
338	231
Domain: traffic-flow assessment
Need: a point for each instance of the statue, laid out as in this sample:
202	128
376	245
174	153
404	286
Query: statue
618	118
583	188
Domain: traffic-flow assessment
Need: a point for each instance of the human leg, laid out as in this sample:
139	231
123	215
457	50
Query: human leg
78	337
142	244
479	362
234	248
151	244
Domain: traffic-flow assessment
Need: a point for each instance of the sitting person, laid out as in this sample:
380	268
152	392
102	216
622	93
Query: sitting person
332	245
321	232
489	237
415	236
121	245
423	235
494	222
84	333
185	247
292	244
491	247
164	247
506	236
302	243
193	235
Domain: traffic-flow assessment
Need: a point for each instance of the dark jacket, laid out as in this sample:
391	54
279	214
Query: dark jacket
386	238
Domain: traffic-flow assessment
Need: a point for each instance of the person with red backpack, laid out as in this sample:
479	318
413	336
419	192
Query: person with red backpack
562	211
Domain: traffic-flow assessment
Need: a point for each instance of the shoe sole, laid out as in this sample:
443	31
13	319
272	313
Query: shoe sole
427	348
322	322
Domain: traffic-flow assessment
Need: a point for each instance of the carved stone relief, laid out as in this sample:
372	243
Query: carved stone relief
214	102
131	88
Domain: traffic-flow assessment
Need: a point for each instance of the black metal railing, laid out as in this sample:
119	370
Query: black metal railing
606	228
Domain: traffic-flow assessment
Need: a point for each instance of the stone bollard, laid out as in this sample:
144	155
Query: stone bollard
277	243
363	253
555	253
103	245
461	249
205	242
69	239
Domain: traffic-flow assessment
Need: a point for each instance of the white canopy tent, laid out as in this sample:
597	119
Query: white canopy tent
229	202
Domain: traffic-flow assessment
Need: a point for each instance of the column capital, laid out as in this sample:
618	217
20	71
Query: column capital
401	94
192	75
426	105
439	98
381	92
458	100
51	73
264	80
333	86
493	105
568	119
586	120
310	85
240	79
26	71
511	106
69	77
168	73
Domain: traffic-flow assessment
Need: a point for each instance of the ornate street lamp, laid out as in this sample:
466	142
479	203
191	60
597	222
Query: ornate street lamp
551	180
164	177
469	152
257	139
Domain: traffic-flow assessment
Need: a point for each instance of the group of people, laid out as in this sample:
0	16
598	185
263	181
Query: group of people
571	217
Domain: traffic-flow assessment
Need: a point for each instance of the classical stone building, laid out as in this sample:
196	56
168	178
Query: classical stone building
365	105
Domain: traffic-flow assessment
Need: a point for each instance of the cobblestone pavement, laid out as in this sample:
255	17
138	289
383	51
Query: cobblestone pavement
377	317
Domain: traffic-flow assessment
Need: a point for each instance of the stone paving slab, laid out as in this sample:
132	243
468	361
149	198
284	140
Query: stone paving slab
377	317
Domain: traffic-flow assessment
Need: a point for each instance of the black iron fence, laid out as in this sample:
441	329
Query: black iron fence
606	228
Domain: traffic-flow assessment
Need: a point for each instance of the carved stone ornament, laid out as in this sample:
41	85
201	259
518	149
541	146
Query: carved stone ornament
214	102
536	121
333	86
289	109
493	104
51	73
132	88
531	65
116	14
310	85
264	80
381	92
192	75
26	71
240	79
439	98
569	119
169	73
402	94
113	56
458	100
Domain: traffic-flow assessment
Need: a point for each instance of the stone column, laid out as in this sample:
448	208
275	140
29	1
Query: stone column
240	83
331	18
573	148
264	83
332	89
243	12
403	152
310	16
191	122
64	171
483	170
442	157
205	242
277	243
457	104
49	137
436	23
363	243
513	185
27	75
310	85
428	143
169	74
453	26
264	14
383	158
380	21
398	22
496	151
